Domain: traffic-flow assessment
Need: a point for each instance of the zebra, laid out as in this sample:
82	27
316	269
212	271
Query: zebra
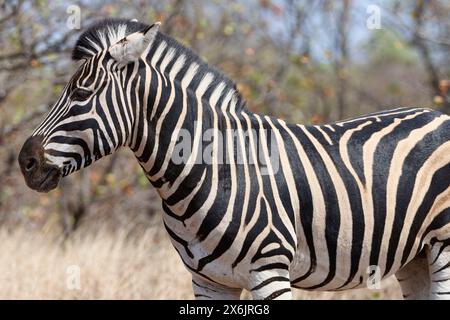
340	203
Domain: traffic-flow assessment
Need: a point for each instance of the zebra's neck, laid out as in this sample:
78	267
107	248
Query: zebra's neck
182	98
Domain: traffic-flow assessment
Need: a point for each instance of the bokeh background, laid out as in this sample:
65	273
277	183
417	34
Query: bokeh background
306	61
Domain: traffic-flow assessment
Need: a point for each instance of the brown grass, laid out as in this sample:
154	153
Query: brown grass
112	266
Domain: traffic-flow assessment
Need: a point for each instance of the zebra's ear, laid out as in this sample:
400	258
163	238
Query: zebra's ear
131	48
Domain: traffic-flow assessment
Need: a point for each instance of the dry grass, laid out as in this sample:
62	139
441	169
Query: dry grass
35	266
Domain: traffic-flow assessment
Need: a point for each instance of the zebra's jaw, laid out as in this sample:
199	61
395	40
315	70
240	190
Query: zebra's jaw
38	173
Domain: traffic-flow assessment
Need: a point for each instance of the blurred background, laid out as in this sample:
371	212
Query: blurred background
304	61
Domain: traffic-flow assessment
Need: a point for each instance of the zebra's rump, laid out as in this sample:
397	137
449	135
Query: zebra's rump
373	191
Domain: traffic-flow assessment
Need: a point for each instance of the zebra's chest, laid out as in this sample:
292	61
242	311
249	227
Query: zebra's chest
209	257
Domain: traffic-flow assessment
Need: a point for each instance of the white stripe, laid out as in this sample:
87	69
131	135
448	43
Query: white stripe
324	134
344	239
438	159
166	60
153	63
402	150
391	113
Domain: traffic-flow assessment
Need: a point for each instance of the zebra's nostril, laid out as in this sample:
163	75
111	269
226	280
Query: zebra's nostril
31	164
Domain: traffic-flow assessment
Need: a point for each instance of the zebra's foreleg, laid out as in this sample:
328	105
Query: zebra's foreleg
271	284
205	290
439	265
414	279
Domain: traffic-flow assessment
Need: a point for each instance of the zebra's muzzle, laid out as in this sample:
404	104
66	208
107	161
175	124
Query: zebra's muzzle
39	175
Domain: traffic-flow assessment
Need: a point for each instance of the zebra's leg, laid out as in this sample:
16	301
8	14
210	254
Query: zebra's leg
439	265
414	279
205	290
271	284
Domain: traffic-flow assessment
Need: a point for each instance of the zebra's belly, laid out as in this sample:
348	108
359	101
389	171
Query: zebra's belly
340	271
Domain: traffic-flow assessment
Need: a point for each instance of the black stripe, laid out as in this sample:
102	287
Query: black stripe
383	156
276	294
412	164
268	281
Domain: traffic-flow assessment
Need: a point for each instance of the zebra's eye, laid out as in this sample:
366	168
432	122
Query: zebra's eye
80	94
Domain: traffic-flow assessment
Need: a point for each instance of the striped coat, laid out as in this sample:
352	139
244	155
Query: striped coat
252	202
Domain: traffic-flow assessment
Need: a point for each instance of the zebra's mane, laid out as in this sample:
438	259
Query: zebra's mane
102	35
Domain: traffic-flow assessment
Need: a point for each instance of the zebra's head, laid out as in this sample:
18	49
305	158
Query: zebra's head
95	112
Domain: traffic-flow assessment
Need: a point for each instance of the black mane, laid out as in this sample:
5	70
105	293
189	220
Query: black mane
90	41
94	32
